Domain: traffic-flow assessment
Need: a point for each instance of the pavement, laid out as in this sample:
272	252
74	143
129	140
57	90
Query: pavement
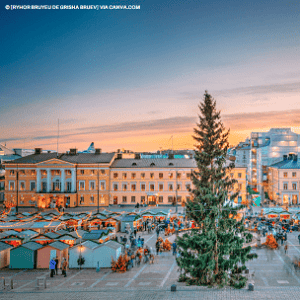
272	274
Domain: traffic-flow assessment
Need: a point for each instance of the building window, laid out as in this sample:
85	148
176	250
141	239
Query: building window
81	185
239	175
133	175
32	172
92	185
44	186
102	186
56	185
178	187
32	185
142	199
151	175
115	175
294	186
12	172
239	186
161	175
102	172
143	187
22	186
161	187
142	175
294	174
178	198
124	187
151	187
188	175
92	172
285	175
170	187
187	199
160	199
178	175
69	186
69	172
170	175
124	175
170	199
132	198
124	199
11	185
115	187
22	172
187	186
285	186
81	200
44	172
82	172
133	187
92	199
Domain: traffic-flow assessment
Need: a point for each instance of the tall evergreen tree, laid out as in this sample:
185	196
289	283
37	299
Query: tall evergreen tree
213	253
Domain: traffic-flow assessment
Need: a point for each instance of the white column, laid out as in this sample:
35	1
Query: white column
38	180
73	181
48	180
62	177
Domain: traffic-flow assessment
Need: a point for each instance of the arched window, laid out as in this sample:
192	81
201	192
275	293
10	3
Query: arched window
171	164
134	164
152	164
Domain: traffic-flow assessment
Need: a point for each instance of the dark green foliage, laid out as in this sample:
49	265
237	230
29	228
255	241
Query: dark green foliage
213	254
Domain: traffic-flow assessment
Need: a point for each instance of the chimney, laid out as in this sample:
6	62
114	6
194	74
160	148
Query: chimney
284	157
37	150
73	151
118	150
119	156
295	158
97	151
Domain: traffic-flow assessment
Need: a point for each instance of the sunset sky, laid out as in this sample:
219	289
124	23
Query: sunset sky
133	78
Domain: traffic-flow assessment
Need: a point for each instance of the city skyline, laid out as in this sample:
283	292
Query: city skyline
133	78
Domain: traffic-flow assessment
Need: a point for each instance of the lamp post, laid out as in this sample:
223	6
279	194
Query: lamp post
98	189
17	178
176	193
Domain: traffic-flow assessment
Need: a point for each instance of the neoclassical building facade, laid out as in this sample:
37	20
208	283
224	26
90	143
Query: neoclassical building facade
92	179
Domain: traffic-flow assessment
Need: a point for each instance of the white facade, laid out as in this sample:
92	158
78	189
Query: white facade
94	253
268	148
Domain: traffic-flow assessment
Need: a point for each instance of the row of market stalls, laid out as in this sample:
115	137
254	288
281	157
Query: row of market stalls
40	236
292	214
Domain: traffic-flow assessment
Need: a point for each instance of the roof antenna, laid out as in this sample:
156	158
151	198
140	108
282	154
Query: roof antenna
57	137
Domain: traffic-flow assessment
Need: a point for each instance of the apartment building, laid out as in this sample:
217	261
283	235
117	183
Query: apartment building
284	181
159	181
266	149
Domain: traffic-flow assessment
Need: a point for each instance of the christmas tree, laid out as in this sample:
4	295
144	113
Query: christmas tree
213	253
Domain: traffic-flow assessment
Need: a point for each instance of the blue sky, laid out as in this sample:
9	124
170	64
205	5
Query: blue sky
99	69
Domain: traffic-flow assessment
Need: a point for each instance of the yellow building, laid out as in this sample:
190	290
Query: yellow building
48	179
84	179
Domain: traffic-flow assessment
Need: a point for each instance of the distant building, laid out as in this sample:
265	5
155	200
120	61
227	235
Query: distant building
283	181
266	149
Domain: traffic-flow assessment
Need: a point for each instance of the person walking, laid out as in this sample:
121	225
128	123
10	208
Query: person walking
286	247
174	245
134	232
64	267
299	238
56	265
157	245
52	267
157	231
